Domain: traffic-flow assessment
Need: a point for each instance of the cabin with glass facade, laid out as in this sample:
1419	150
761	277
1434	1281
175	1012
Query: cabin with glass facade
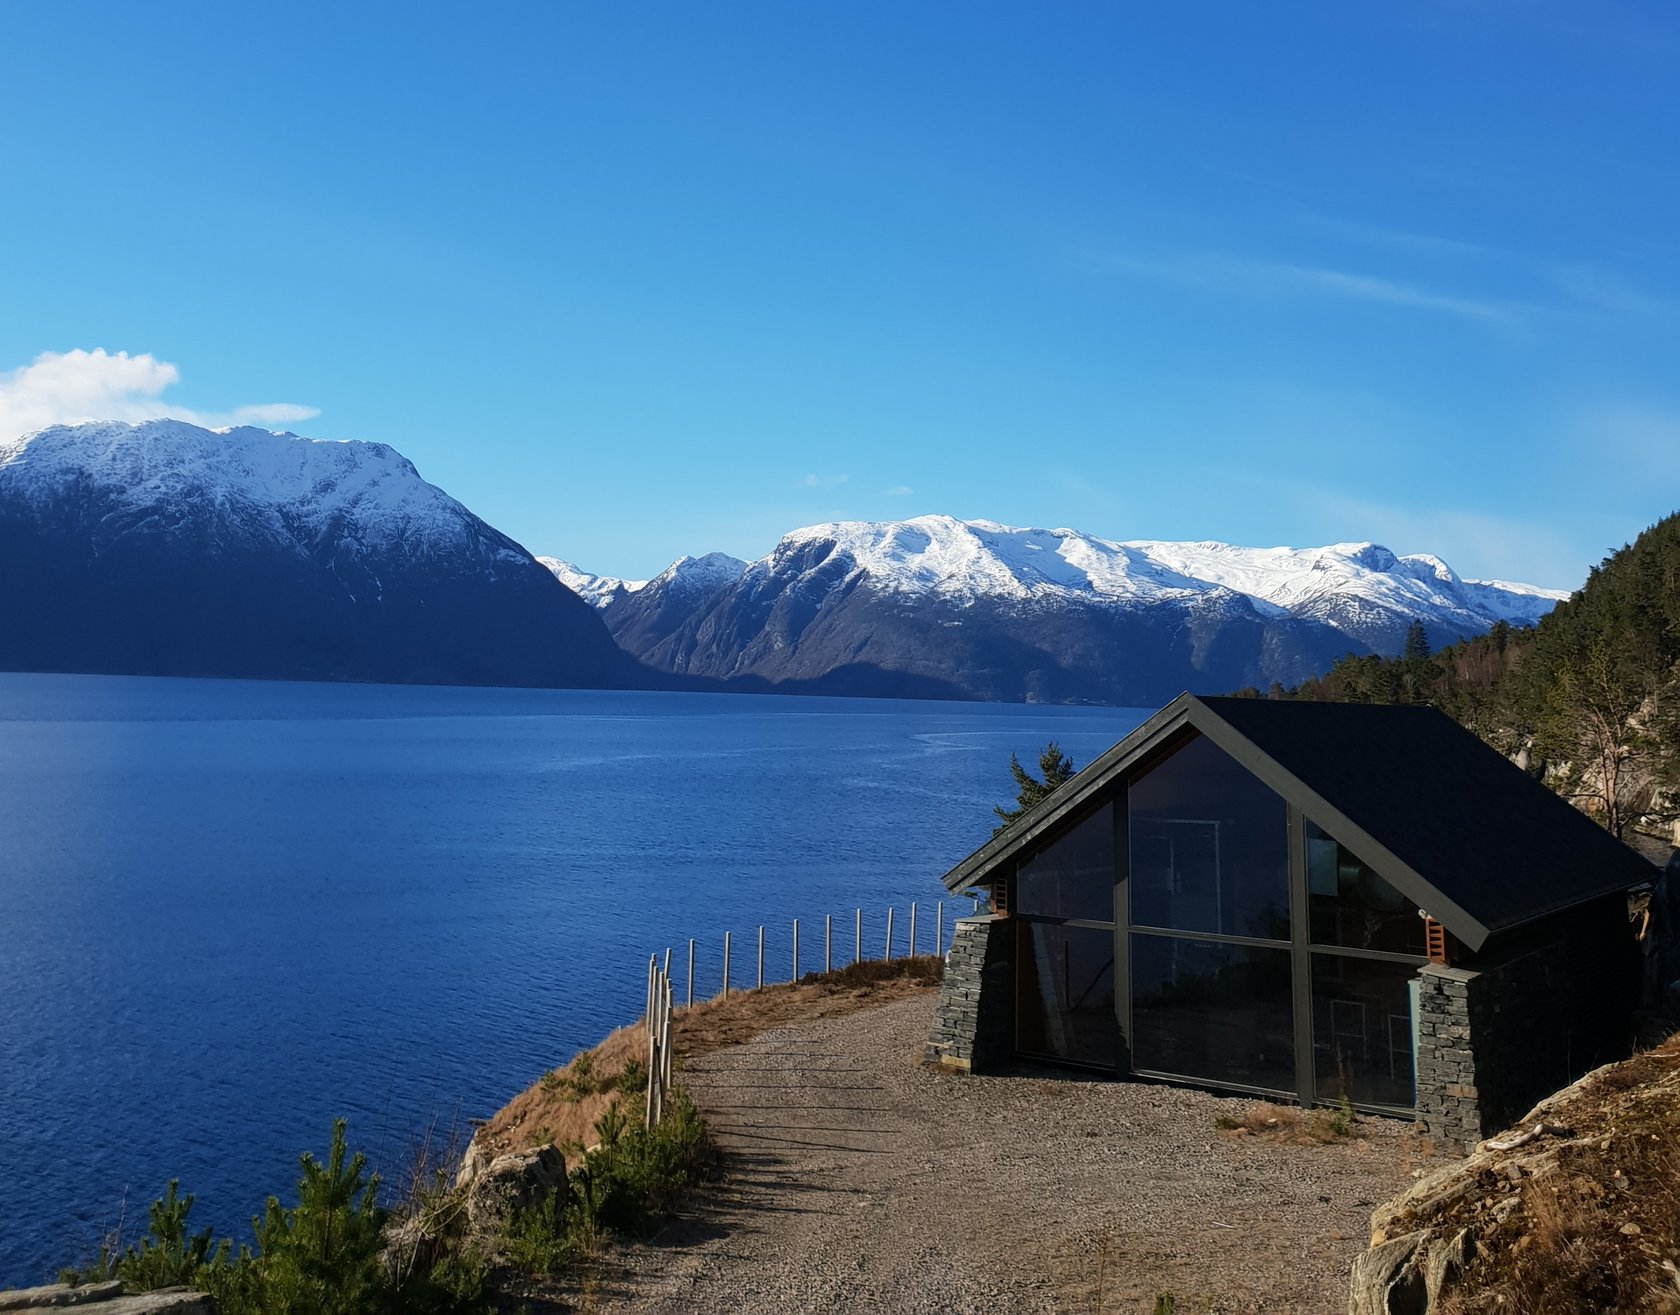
1304	901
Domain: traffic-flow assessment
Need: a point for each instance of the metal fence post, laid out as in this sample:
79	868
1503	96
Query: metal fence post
939	929
691	972
912	929
828	942
857	954
796	949
761	958
889	935
726	965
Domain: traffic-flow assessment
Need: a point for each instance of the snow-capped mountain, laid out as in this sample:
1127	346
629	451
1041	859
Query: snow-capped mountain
165	548
978	609
596	590
1340	584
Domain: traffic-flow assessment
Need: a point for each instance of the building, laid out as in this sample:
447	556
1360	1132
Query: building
1306	901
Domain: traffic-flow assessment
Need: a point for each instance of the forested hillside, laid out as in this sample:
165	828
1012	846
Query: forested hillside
1587	697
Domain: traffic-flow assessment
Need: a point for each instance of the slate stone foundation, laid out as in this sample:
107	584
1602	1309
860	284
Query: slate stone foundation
974	1023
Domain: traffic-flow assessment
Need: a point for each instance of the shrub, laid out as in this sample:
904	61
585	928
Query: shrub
166	1257
635	1175
631	1079
546	1239
322	1256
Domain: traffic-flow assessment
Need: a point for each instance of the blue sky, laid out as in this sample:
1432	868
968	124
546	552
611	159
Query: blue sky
638	280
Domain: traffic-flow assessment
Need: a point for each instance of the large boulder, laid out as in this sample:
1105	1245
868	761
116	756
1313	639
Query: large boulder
511	1183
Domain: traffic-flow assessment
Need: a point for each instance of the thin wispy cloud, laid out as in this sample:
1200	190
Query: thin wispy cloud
1391	292
1280	278
67	388
898	491
1597	289
823	481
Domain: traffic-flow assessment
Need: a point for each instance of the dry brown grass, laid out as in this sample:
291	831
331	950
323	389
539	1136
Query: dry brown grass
1589	1218
1289	1124
563	1109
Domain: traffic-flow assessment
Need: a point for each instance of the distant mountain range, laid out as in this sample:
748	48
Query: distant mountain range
166	549
162	548
981	610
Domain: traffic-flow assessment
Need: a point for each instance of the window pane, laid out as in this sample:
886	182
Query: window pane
1351	905
1065	993
1214	1011
1209	847
1072	876
1363	1045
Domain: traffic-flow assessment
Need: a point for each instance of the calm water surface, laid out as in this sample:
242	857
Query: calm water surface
230	911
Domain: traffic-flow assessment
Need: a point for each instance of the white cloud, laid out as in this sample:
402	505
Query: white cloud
898	491
66	388
823	481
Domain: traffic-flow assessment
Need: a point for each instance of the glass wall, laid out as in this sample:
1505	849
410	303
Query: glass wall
1213	1010
1352	906
1364	1029
1065	993
1072	876
1363	1011
1206	979
1064	904
1209	847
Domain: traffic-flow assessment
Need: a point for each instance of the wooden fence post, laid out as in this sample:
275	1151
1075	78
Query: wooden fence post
665	1082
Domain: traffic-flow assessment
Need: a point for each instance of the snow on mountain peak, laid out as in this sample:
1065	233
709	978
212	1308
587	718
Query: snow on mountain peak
940	555
280	485
710	571
596	590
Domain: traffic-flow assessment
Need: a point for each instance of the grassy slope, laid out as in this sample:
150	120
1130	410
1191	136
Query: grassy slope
552	1109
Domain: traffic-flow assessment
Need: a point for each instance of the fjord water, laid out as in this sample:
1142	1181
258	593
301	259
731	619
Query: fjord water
230	911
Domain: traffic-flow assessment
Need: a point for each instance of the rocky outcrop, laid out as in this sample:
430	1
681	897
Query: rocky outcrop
1408	1275
1582	1187
510	1184
108	1299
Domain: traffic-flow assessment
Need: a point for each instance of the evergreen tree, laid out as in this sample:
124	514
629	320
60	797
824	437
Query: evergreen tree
1055	767
1417	642
321	1257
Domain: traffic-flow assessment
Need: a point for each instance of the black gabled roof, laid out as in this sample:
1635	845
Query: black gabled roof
1460	830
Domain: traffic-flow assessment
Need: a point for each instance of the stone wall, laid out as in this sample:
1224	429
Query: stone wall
1448	1101
1522	1023
974	1023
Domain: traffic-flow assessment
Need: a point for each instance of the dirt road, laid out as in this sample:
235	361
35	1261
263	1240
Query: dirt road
859	1181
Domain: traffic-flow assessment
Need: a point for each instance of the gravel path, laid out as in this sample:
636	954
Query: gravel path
859	1181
